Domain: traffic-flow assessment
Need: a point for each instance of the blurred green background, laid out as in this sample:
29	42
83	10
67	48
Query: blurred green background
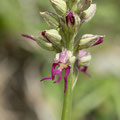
23	63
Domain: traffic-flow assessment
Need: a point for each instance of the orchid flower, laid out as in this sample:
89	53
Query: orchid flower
63	63
83	61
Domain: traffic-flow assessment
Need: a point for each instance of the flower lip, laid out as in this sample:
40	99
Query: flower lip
58	72
70	18
65	77
84	70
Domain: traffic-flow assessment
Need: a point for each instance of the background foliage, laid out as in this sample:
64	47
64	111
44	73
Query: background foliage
23	64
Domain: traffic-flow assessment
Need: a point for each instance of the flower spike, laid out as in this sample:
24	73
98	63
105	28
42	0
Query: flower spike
61	38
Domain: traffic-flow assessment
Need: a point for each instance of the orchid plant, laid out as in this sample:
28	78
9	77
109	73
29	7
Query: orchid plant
71	54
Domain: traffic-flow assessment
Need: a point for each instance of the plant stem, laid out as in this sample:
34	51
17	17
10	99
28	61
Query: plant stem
67	105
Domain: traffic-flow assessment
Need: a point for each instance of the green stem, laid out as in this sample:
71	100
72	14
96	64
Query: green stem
67	105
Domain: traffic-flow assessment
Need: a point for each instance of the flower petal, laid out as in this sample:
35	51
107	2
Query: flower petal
64	56
58	71
84	70
45	79
65	77
27	36
53	69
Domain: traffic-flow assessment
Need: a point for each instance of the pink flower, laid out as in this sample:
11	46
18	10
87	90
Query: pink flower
83	61
62	61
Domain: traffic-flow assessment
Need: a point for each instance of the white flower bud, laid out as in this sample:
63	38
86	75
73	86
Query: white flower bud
44	44
83	4
89	40
53	35
51	19
73	21
59	6
88	14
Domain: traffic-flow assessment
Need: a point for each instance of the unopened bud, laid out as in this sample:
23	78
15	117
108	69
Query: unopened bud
88	14
83	4
89	40
52	36
44	44
59	6
41	42
51	19
72	20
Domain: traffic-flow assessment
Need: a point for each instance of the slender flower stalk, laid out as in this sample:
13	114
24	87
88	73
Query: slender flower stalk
67	104
71	55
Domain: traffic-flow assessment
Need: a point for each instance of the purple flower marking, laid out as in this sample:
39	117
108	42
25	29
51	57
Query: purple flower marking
43	34
83	68
70	19
53	69
52	72
58	72
62	64
100	40
46	78
65	77
27	36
